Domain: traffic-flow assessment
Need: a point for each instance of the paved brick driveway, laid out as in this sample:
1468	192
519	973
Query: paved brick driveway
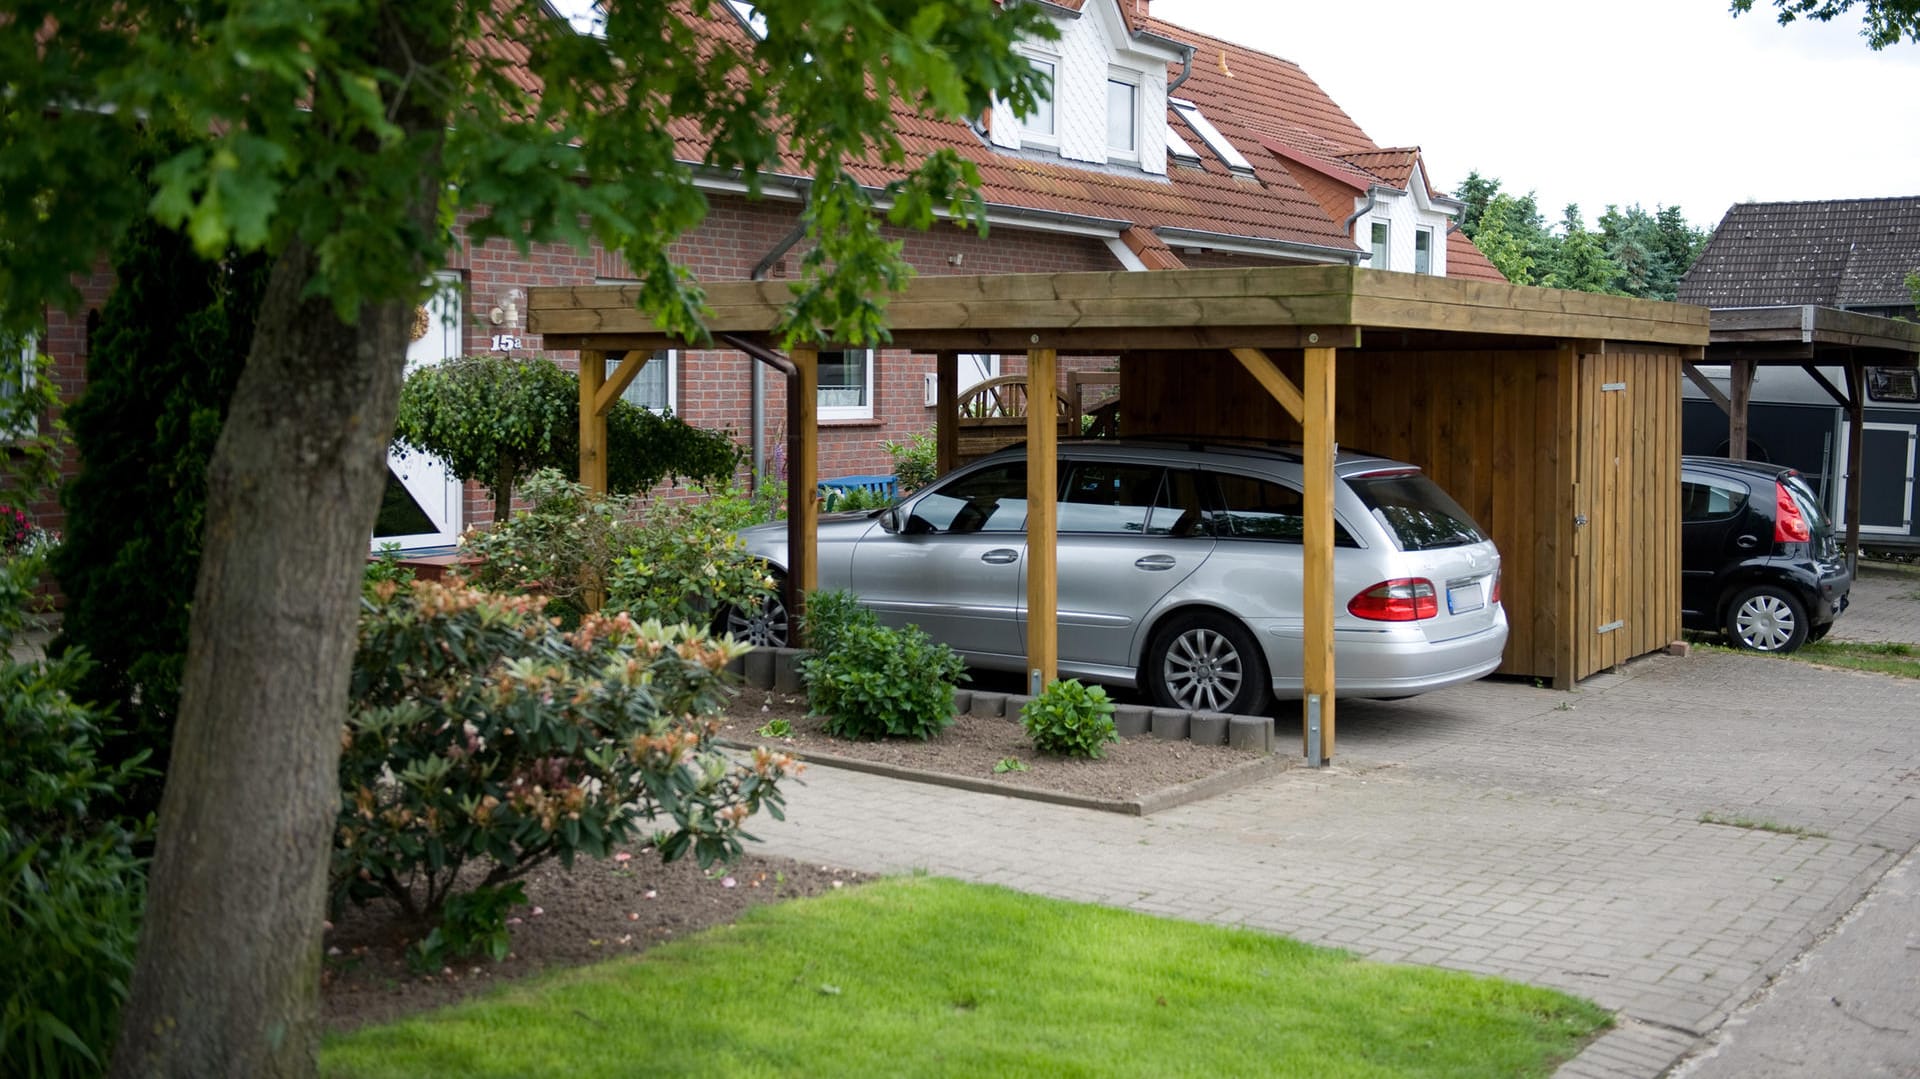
1554	838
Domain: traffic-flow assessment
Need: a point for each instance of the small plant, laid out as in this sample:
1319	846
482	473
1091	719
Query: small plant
1009	764
874	682
830	614
915	461
473	923
384	567
840	500
1069	719
775	728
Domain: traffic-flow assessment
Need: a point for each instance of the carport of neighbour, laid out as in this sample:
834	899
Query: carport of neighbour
1552	416
1745	338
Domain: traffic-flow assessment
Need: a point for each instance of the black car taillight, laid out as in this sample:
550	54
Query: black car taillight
1789	525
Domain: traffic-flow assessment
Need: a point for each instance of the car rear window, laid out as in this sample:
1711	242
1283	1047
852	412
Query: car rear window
1415	511
1261	509
1809	504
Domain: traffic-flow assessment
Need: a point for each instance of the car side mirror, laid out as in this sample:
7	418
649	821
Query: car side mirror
890	520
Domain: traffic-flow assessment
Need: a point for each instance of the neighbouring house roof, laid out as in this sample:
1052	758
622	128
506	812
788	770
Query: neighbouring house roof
1253	98
1832	253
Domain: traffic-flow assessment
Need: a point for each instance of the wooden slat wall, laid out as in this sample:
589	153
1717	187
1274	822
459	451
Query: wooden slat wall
1495	429
1628	553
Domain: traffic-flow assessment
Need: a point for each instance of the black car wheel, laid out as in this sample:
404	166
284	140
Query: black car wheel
766	627
1205	662
1767	618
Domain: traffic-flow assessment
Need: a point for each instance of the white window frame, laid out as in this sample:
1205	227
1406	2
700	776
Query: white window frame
750	18
1048	136
1229	155
1423	250
826	412
1380	242
669	356
1130	80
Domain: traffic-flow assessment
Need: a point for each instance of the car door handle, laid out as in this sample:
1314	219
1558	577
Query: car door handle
1747	543
1000	556
1155	561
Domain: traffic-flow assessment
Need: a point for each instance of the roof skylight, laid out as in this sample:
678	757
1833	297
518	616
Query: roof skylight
749	17
1178	149
1211	135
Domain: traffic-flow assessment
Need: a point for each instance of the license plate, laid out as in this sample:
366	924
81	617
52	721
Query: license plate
1462	598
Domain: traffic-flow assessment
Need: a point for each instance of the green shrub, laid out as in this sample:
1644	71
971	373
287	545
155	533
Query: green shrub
1070	720
71	885
873	682
683	563
481	733
736	508
846	499
472	923
562	547
915	461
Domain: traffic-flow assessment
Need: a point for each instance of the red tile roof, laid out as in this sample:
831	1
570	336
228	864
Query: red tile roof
1466	260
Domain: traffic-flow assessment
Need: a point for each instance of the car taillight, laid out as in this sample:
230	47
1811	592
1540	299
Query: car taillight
1790	525
1407	599
1496	586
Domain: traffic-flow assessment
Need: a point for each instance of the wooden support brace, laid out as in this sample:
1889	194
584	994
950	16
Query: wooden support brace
1262	368
622	377
1707	387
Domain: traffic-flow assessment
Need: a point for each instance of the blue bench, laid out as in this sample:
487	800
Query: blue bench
882	484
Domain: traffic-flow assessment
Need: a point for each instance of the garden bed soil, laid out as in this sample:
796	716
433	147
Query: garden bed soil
621	906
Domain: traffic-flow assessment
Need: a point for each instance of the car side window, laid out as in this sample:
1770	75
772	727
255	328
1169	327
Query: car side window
1103	497
1706	501
1180	510
991	500
1262	509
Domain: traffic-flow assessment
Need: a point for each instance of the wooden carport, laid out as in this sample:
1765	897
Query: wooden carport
1552	416
1810	337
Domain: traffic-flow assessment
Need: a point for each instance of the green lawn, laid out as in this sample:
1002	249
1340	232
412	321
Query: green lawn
1895	658
925	976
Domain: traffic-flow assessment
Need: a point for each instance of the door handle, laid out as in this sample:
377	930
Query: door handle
1000	556
1155	561
1746	543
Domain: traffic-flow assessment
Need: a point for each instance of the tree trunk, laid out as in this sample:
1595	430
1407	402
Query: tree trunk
227	981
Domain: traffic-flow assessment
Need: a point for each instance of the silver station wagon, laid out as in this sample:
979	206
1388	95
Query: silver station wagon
1179	571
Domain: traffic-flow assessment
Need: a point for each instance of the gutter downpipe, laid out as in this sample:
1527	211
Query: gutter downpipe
1347	225
758	395
1186	68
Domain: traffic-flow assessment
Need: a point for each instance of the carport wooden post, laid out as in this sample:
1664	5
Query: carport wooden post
1317	541
803	516
946	412
593	423
1043	588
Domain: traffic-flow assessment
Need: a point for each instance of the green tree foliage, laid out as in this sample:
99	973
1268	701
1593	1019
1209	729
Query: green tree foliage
340	138
165	358
1886	21
497	420
1633	253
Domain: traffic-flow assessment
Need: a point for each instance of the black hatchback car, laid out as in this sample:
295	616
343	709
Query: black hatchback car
1758	558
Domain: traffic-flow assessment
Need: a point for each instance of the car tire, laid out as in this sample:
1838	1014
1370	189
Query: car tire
1767	618
1207	662
768	627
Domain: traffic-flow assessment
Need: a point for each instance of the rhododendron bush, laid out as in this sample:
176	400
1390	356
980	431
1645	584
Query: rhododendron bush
482	733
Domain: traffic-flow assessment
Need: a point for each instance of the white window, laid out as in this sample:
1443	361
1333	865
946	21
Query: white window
1178	149
1039	122
20	356
654	387
1423	251
846	385
1379	246
1123	118
1229	155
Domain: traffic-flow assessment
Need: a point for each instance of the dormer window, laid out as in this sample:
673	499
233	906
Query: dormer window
1229	155
1123	117
1423	251
1038	124
1380	246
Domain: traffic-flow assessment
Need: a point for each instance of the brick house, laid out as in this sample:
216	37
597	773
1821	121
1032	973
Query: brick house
1158	148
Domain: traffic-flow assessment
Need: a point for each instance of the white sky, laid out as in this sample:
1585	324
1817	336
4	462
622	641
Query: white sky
1671	102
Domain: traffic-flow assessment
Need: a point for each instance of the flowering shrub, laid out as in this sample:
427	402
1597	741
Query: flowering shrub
685	563
480	732
561	547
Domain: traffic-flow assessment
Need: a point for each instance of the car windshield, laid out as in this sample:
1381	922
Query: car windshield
1419	515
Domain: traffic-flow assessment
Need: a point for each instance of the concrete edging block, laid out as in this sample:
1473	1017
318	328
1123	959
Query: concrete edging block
962	701
786	670
987	705
758	667
1170	724
1010	708
1250	732
1208	728
1132	720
